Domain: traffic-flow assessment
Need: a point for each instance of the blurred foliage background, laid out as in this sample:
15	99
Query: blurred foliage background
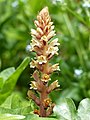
72	25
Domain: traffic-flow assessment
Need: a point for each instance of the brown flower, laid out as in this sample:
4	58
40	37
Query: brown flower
45	50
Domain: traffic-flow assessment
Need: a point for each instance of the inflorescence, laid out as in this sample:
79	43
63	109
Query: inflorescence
45	48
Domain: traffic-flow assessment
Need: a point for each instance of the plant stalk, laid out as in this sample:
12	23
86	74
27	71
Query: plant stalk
43	96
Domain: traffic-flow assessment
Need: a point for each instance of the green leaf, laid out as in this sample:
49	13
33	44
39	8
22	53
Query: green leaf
40	118
7	103
36	117
66	110
16	104
16	101
11	81
1	82
11	117
5	74
84	110
71	92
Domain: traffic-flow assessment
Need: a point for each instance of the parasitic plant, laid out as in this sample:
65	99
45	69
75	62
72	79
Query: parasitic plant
45	48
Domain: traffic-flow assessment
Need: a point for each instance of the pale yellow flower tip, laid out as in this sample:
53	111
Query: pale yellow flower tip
53	50
54	42
56	83
41	59
33	32
44	38
45	78
33	64
44	10
55	67
39	30
33	85
51	34
35	42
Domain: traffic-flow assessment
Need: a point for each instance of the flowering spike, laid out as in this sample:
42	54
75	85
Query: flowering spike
45	49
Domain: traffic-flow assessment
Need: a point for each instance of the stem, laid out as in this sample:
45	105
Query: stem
43	96
34	98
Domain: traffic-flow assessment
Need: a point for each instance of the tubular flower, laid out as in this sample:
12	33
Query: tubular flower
41	59
53	86
45	48
54	43
52	50
35	42
45	78
55	67
33	64
44	38
33	85
47	102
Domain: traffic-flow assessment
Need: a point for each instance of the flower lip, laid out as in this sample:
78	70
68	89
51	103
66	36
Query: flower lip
52	50
47	102
35	42
40	30
41	59
54	42
44	38
33	64
55	67
33	85
56	83
36	23
51	34
33	32
45	78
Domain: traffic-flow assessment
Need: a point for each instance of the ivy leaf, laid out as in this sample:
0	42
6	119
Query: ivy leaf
11	81
66	110
84	110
